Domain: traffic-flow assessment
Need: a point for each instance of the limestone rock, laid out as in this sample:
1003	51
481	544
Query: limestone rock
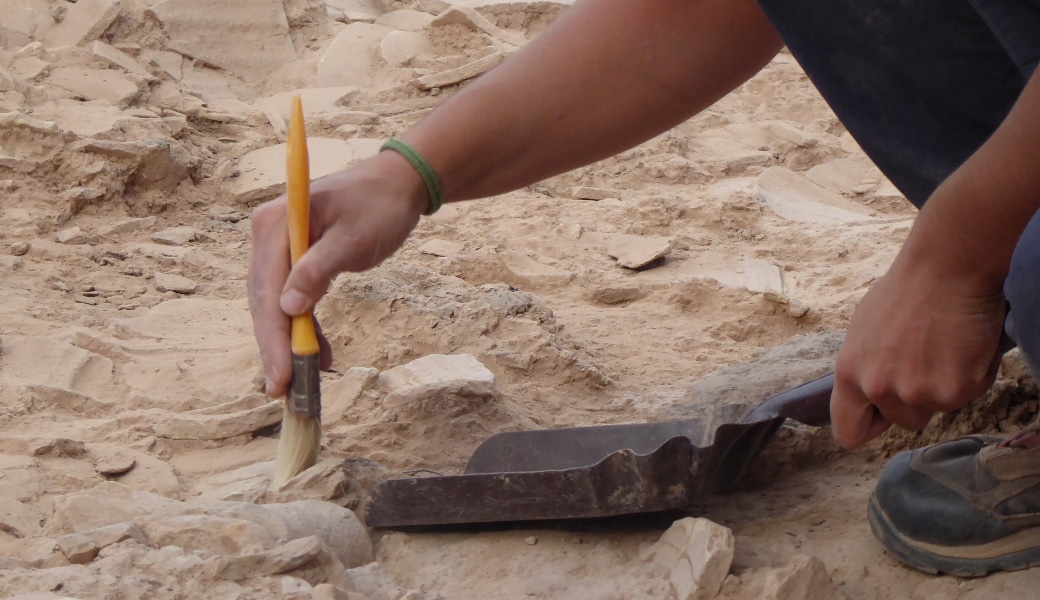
219	427
441	248
843	174
130	225
803	577
340	395
592	193
467	15
212	534
17	519
351	11
336	527
42	446
34	553
95	84
118	58
795	198
527	272
636	251
72	236
108	503
199	28
695	555
317	102
459	74
82	548
84	21
168	282
176	236
405	20
111	464
436	375
399	48
19	248
290	556
350	57
263	171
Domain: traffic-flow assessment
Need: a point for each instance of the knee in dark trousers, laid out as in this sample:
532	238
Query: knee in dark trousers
1022	289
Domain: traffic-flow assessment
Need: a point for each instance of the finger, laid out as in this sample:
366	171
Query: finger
854	420
267	272
311	276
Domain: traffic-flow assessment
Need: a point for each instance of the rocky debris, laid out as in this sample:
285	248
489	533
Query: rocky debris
459	74
198	29
94	84
321	104
112	464
436	376
72	236
617	295
168	282
108	503
353	11
803	577
119	59
635	251
400	48
444	248
82	548
19	248
18	520
189	426
351	57
458	14
33	553
131	225
82	22
263	171
845	175
695	555
593	193
42	446
795	198
177	236
405	20
526	272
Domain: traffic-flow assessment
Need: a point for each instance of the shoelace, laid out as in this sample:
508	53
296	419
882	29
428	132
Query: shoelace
1027	439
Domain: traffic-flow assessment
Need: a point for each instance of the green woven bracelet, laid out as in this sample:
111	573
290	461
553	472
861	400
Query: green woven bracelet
429	177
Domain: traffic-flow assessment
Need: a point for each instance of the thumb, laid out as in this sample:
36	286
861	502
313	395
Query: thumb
309	278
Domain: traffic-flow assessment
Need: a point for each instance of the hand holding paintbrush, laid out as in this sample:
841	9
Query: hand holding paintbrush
301	421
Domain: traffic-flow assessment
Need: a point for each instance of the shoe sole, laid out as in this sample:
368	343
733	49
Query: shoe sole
926	559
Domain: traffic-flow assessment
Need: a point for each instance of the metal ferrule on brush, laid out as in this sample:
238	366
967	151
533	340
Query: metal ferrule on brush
305	390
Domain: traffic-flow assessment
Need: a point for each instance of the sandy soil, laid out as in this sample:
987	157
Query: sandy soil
132	148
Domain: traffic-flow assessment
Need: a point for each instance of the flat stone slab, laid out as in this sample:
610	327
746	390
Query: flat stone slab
263	171
167	282
199	28
95	84
634	251
695	555
435	376
795	198
525	271
84	21
350	57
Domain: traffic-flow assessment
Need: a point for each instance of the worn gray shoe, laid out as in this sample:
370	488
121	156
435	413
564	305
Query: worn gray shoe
965	507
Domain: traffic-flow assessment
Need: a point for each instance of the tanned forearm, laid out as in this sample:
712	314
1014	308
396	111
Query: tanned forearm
607	75
969	228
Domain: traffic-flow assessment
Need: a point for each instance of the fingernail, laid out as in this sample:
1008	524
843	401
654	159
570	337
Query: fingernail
268	387
294	303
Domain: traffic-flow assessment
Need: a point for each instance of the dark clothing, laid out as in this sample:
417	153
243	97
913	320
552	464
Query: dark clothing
920	85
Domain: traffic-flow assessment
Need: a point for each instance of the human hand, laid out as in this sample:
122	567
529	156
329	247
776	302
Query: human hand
918	343
358	217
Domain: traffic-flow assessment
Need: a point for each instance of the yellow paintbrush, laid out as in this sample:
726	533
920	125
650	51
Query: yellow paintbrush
301	419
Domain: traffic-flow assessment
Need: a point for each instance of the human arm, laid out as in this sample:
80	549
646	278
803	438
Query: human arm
605	76
924	338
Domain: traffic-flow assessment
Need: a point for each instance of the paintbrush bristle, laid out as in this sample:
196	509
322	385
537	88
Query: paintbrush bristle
298	447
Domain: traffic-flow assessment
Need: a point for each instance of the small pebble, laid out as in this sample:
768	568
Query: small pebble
531	541
797	309
19	248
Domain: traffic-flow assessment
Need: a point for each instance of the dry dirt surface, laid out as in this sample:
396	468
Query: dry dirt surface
136	448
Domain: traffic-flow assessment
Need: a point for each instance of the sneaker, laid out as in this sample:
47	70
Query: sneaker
965	507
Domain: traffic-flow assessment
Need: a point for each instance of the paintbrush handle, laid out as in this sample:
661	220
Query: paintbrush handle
298	180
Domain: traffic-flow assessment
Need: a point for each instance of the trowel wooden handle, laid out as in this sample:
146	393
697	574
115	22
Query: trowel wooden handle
298	181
